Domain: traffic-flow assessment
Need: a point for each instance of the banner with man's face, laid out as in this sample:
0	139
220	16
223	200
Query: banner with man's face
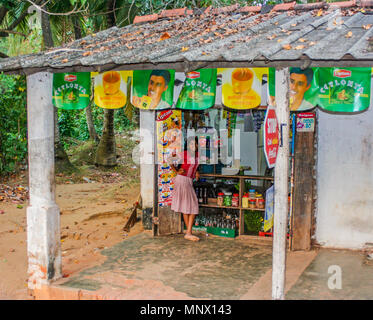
332	89
153	89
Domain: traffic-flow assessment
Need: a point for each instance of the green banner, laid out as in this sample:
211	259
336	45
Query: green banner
71	90
153	89
198	91
332	89
344	89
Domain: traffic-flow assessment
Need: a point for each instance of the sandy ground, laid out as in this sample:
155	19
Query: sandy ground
92	218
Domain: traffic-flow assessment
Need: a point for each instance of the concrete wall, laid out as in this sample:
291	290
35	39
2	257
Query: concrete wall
344	211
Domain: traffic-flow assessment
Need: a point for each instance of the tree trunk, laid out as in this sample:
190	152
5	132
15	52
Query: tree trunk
91	127
62	160
77	28
106	153
47	32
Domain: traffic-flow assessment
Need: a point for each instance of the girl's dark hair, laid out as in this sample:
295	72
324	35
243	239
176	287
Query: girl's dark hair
189	140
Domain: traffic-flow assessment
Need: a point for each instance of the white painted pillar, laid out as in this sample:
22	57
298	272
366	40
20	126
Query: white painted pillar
43	215
281	186
147	129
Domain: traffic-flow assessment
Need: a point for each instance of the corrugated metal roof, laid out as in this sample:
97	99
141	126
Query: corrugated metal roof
316	35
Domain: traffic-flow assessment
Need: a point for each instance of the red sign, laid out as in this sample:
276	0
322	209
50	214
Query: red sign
70	77
340	73
193	75
163	115
271	137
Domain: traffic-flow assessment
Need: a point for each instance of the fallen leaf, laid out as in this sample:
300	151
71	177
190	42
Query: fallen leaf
300	47
287	46
2	211
294	25
279	40
164	36
184	49
65	60
302	40
319	13
312	43
83	42
271	37
87	53
367	27
349	34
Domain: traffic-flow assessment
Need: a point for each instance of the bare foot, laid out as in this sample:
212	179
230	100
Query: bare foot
191	237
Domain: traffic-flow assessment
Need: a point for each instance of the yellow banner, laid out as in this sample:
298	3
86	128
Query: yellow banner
242	87
111	89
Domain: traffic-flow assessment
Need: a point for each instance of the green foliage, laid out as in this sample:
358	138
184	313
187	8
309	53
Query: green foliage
253	221
73	124
13	117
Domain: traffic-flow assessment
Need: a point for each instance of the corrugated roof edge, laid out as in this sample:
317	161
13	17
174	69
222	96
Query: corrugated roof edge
256	9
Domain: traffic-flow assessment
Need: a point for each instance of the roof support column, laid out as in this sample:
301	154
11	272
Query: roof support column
147	130
43	214
281	186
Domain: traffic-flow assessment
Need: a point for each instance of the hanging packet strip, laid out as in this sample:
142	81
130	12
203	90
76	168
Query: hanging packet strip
169	143
242	87
153	89
71	90
111	89
198	91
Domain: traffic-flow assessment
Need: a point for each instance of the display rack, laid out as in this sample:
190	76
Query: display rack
240	192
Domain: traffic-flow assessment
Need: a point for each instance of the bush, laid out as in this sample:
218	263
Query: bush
13	123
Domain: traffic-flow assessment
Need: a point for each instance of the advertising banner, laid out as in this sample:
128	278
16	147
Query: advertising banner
198	91
111	89
344	90
242	87
332	89
71	90
153	89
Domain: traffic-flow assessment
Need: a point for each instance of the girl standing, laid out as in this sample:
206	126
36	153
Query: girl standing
184	198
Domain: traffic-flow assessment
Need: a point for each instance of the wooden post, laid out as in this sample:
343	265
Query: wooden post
281	186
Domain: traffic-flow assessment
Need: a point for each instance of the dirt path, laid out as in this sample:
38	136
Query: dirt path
92	218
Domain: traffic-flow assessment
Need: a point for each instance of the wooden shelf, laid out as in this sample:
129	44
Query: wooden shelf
224	207
211	175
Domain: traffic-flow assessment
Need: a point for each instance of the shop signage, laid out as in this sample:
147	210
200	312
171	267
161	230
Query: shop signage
271	136
111	89
198	91
332	89
153	89
306	122
242	87
71	90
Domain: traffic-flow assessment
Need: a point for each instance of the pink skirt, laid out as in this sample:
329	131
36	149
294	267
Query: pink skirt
184	198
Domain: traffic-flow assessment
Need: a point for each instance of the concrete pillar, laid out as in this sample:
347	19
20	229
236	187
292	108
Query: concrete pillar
147	130
43	215
281	186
